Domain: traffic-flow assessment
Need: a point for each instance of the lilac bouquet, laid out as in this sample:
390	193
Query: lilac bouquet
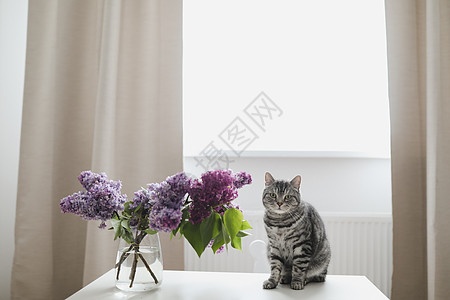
201	210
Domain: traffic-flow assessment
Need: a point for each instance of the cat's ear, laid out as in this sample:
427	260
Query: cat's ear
269	179
296	181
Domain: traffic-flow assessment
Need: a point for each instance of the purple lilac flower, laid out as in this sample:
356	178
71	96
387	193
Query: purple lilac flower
164	218
141	198
214	189
241	179
223	208
101	199
167	201
92	181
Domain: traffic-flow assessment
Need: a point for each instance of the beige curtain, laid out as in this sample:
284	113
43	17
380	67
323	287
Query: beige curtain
419	89
102	92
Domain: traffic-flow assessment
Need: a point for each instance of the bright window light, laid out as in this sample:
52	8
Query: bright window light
319	67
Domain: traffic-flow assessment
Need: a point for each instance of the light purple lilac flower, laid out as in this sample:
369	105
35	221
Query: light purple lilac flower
164	218
166	199
141	199
100	200
214	189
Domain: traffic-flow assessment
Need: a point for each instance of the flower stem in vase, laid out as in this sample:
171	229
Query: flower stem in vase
134	249
149	269
123	257
133	269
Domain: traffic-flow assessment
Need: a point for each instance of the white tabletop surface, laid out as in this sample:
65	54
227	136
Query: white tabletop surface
186	285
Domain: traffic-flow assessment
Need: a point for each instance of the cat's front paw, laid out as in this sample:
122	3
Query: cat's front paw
269	284
298	285
286	279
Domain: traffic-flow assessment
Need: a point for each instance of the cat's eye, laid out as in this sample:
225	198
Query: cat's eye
273	195
287	197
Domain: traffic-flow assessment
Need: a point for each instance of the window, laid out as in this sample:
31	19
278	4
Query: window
322	63
292	87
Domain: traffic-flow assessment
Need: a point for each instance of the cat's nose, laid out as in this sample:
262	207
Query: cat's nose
279	204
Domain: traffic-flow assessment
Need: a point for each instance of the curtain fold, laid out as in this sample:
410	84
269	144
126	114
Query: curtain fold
102	92
418	34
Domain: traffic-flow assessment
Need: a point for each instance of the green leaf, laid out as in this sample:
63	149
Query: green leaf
200	235
184	220
150	231
217	226
128	236
209	228
137	208
126	224
218	242
175	231
236	242
233	221
126	206
242	234
117	228
246	225
115	223
221	239
194	237
126	210
125	230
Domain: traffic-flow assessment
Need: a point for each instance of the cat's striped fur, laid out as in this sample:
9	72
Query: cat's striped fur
298	248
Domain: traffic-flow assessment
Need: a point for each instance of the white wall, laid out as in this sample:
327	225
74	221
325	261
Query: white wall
13	22
332	183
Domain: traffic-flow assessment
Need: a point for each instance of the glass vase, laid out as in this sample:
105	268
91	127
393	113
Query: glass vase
139	265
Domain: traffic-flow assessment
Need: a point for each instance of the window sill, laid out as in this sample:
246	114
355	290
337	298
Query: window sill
304	154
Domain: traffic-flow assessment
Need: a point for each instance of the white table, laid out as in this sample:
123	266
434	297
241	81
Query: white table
185	285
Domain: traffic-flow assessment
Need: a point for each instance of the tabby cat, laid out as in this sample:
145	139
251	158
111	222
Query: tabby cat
298	248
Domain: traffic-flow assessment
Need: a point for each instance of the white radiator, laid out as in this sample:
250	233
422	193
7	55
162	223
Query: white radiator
360	245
